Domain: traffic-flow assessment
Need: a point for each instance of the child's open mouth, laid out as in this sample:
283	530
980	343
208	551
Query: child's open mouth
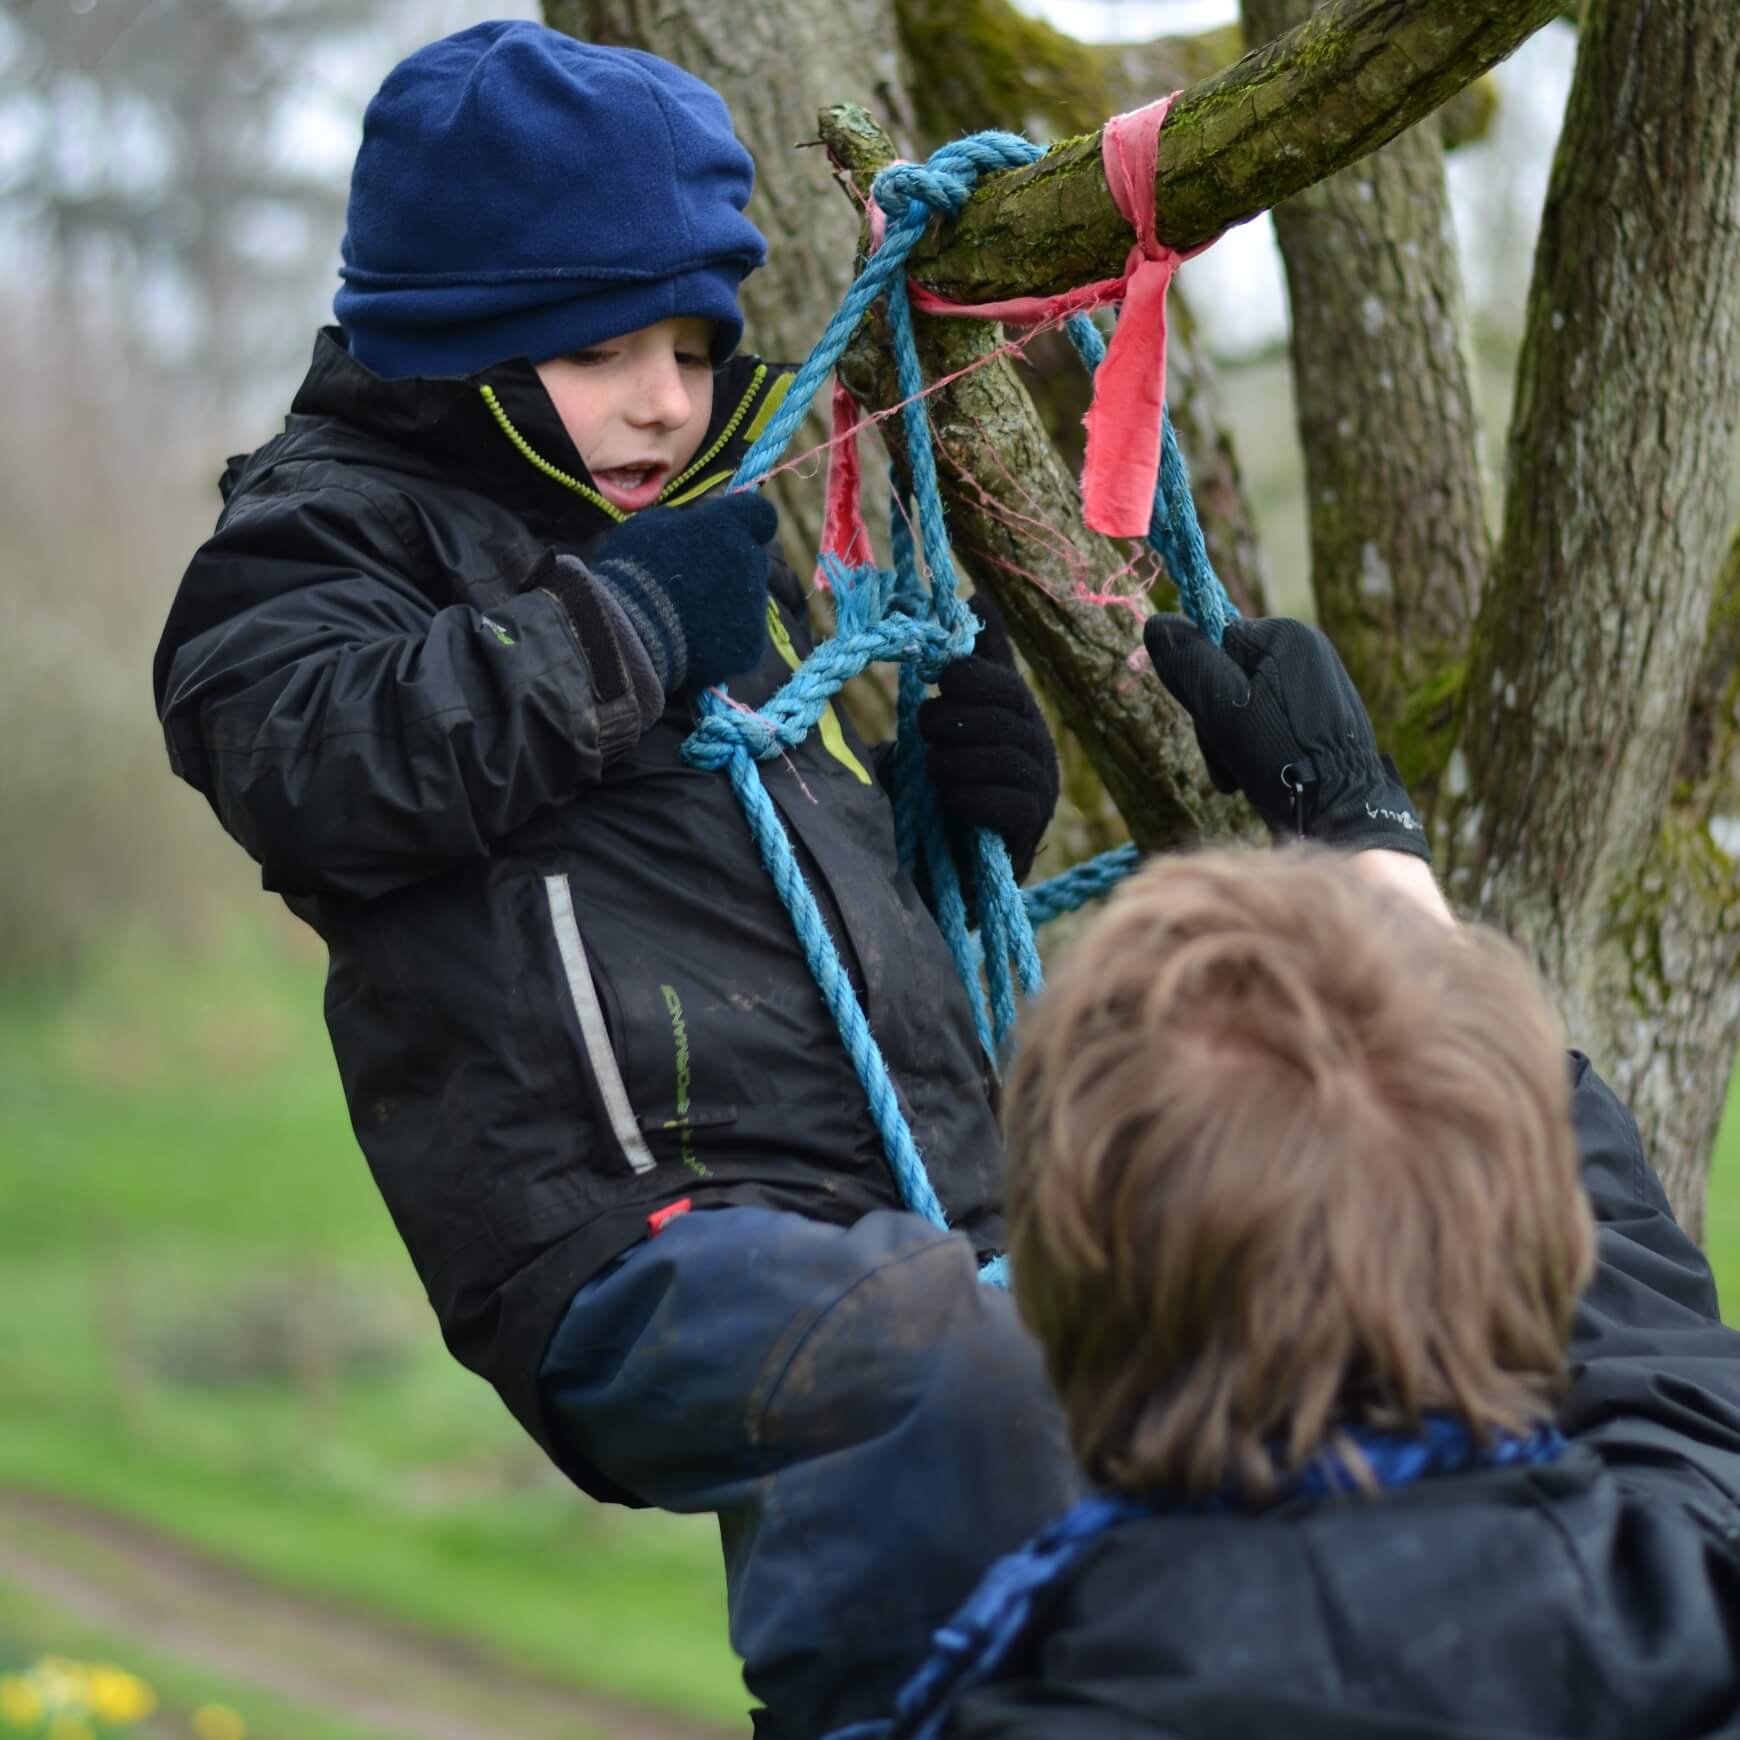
631	487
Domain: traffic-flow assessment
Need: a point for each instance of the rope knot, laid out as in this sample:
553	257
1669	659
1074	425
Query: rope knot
945	181
713	742
902	185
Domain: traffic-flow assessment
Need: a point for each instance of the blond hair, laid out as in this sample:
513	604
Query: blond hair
1287	1156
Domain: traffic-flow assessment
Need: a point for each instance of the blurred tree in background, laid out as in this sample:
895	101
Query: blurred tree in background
172	186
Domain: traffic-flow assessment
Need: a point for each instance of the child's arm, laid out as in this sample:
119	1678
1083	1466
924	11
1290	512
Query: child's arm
352	736
1656	1381
1655	1375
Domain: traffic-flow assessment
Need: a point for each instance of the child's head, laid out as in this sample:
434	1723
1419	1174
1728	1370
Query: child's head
635	406
1287	1155
522	193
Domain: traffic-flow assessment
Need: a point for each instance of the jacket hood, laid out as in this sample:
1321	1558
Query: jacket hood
499	430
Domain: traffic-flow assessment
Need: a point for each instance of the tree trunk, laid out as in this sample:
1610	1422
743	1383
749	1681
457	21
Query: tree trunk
1399	540
1596	622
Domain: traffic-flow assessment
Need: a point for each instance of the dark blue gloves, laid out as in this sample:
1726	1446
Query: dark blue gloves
987	749
690	584
1278	718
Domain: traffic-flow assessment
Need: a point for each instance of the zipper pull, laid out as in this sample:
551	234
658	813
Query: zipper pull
1295	776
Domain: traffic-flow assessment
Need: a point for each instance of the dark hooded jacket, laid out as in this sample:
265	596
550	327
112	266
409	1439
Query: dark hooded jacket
1596	1597
563	992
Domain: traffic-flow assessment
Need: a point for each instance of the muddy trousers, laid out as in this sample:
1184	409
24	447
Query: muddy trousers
871	1426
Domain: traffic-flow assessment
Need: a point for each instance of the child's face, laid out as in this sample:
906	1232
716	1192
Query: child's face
636	406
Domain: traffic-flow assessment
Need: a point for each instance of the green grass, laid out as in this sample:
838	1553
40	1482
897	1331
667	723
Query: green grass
1722	1213
173	1151
173	1148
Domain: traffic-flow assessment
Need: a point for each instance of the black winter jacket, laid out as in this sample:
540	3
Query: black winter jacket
1594	1598
562	991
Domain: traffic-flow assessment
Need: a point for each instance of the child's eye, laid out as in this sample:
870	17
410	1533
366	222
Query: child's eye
584	357
691	359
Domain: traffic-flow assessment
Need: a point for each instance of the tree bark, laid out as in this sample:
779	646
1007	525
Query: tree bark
1394	496
1666	977
1596	628
985	64
1341	85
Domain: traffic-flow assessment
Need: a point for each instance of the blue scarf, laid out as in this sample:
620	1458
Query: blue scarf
974	1644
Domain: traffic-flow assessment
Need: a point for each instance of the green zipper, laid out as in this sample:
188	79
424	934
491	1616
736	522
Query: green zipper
526	451
529	453
725	434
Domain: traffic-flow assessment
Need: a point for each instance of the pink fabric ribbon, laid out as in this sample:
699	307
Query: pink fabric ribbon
1122	462
844	533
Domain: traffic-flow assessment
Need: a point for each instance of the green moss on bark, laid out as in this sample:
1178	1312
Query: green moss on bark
1426	725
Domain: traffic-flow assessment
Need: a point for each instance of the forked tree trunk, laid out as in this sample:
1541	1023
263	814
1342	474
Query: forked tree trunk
1580	810
1571	701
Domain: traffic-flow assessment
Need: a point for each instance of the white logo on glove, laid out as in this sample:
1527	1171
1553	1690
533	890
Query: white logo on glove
1402	818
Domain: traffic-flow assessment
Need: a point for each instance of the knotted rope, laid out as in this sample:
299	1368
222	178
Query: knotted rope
924	624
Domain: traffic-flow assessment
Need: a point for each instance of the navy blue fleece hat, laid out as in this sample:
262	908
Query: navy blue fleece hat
521	193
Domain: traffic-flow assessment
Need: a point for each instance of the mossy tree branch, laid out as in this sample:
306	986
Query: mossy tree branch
986	64
1338	87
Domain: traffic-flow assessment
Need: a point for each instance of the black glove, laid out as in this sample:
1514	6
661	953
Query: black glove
1279	719
691	583
987	749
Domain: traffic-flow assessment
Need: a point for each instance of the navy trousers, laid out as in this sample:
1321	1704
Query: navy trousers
871	1426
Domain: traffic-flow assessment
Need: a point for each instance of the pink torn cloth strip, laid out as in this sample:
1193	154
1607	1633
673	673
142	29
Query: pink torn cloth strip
1122	464
843	530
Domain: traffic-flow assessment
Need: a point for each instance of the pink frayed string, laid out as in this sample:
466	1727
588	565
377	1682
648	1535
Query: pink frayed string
845	516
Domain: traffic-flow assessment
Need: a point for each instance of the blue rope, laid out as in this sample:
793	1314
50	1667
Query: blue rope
1076	887
925	625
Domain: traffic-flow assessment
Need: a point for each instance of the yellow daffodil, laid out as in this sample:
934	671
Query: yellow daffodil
21	1704
219	1722
118	1697
61	1683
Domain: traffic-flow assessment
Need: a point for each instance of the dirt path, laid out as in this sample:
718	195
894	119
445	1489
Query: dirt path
388	1678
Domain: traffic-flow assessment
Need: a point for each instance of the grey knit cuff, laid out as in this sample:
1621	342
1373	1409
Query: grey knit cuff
643	676
621	668
650	613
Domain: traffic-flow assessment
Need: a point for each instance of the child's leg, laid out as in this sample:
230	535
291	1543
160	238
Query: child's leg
871	1425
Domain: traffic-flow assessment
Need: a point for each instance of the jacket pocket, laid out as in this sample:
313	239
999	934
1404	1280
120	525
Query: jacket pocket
659	1030
588	1009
